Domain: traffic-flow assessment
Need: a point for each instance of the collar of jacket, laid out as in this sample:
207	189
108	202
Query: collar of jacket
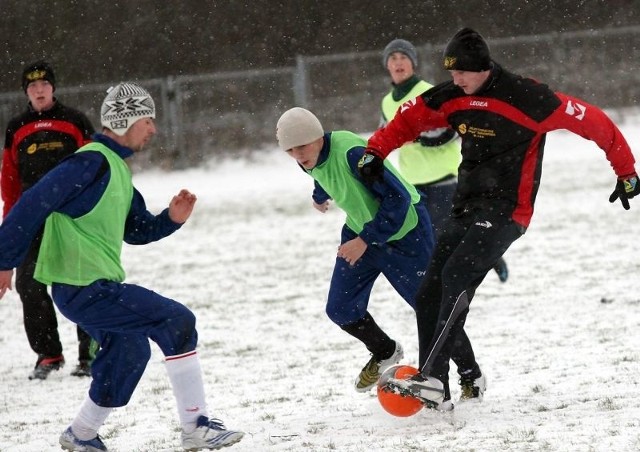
496	71
123	151
55	107
401	90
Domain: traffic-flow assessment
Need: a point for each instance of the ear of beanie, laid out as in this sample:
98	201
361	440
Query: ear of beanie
467	51
297	127
400	45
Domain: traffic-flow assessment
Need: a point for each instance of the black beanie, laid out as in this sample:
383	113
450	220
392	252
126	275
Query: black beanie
467	51
40	70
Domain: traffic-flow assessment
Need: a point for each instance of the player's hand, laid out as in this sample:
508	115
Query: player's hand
321	207
370	167
5	281
181	206
352	250
626	188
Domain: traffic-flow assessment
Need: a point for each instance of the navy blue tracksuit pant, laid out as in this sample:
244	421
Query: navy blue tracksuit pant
123	318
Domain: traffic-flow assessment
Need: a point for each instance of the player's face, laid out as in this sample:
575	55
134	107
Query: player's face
400	67
307	154
40	94
139	134
470	82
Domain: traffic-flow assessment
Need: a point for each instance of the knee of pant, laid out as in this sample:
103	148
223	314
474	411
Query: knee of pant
187	321
182	332
341	316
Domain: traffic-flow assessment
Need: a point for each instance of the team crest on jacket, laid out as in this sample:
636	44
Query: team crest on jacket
364	160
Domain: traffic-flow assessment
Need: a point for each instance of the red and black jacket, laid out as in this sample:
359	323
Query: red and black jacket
35	142
503	129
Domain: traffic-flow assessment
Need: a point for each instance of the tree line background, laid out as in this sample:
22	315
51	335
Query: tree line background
90	41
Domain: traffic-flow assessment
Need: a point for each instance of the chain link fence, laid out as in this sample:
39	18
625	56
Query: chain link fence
232	114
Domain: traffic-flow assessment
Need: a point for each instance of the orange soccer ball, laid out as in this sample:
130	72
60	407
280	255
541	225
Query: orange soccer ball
396	404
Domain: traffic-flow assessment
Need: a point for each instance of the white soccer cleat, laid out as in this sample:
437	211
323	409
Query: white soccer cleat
429	390
69	441
210	434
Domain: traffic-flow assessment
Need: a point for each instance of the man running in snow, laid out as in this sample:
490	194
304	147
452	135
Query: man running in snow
387	231
502	119
89	206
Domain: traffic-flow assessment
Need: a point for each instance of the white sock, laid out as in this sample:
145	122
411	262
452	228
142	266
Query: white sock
185	375
89	419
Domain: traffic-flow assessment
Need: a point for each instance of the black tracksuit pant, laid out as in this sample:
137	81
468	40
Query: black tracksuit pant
40	322
466	250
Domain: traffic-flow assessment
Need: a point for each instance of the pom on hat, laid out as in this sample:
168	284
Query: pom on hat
297	127
403	46
40	70
126	103
467	51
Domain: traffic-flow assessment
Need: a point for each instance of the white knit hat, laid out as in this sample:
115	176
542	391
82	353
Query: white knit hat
124	105
297	127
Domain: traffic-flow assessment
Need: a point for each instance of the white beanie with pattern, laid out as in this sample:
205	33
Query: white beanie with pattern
125	104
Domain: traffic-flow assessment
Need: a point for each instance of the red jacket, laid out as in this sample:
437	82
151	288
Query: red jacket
503	129
34	143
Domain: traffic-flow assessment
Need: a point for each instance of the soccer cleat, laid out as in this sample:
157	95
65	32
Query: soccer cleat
371	372
429	390
210	434
45	365
83	369
472	388
501	269
69	441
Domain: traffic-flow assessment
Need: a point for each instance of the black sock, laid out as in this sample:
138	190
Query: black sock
371	335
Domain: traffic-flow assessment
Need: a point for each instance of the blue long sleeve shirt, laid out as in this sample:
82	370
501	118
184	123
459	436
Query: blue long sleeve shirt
390	192
73	188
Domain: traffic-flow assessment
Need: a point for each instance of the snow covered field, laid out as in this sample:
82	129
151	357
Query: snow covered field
559	342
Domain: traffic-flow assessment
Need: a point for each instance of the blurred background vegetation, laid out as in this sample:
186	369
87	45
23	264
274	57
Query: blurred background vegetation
222	72
91	41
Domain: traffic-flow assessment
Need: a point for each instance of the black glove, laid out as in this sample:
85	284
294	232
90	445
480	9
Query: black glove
371	167
501	269
626	188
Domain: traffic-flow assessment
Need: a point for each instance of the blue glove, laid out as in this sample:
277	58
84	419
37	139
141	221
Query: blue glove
626	188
